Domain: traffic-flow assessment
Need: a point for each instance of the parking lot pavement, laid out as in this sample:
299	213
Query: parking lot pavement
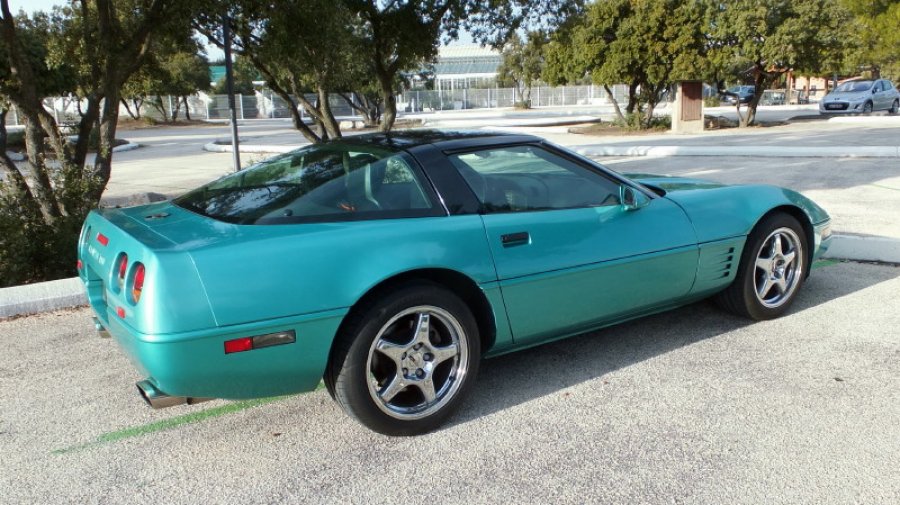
861	195
690	406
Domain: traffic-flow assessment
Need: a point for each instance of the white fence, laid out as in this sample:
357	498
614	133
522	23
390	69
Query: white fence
267	105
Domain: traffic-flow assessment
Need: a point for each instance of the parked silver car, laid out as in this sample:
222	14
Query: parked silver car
854	97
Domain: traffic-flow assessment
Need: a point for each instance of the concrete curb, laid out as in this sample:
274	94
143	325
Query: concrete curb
864	248
67	293
743	150
867	120
130	146
42	297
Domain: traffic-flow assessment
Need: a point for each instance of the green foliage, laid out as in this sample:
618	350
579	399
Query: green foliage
646	44
244	75
34	250
522	65
763	39
54	77
875	36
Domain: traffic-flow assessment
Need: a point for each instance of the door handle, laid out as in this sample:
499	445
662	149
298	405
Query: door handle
513	239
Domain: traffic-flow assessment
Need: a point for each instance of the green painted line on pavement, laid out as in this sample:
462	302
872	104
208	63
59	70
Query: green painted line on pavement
824	263
173	422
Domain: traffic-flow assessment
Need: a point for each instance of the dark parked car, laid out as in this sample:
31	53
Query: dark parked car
742	93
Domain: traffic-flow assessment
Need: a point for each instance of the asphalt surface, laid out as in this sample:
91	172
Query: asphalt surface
690	406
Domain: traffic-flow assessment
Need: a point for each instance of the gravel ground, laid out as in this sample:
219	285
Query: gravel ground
691	406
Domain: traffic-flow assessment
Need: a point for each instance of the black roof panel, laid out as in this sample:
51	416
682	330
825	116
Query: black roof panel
406	139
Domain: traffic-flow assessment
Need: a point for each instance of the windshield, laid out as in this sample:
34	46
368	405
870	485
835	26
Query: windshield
854	86
324	182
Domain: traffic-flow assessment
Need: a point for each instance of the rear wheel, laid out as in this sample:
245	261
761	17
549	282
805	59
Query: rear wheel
772	269
895	107
404	363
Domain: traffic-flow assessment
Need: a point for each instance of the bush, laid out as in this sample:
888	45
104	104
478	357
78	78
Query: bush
636	121
32	250
712	101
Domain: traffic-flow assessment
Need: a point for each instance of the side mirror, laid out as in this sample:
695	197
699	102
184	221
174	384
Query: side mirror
632	199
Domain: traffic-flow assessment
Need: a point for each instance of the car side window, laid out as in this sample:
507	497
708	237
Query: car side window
529	178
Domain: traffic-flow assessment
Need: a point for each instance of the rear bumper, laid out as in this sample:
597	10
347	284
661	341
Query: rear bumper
194	364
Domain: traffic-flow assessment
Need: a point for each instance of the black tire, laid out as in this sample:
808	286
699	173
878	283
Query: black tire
783	277
894	107
867	108
394	352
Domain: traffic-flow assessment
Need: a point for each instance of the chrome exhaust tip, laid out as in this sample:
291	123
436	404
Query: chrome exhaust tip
103	332
159	400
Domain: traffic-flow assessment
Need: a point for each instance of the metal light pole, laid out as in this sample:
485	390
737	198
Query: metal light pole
229	87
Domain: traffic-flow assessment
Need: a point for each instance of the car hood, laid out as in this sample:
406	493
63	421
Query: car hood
847	95
670	183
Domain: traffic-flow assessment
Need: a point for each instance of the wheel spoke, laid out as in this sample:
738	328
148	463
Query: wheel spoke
427	387
781	285
789	258
777	246
442	354
391	350
423	329
764	264
766	286
396	385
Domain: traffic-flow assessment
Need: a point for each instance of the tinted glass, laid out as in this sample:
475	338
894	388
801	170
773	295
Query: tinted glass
854	86
528	178
316	183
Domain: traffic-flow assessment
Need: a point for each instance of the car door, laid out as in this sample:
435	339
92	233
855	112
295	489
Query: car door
569	256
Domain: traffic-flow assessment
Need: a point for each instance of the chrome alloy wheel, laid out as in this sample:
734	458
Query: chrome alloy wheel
417	362
779	267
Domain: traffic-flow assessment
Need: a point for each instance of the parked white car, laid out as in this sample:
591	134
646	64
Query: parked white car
855	97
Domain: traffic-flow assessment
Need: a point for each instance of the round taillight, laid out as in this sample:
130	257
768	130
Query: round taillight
121	270
137	285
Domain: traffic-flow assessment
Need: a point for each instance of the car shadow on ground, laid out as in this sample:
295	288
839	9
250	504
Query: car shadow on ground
513	379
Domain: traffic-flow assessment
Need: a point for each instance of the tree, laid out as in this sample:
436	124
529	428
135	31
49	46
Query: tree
174	68
298	46
522	65
767	38
244	76
877	48
98	44
646	44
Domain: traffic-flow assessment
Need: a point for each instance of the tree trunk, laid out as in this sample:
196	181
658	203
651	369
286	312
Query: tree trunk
107	133
128	109
615	103
632	98
389	100
331	124
187	108
36	169
175	110
761	82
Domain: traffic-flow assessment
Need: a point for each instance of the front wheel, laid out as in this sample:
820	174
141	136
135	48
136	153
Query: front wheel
405	362
772	269
867	108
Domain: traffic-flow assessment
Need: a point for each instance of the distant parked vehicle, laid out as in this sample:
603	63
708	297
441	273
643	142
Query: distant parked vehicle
862	96
743	93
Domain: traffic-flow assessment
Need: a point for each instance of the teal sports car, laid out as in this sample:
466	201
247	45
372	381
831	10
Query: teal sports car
389	265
